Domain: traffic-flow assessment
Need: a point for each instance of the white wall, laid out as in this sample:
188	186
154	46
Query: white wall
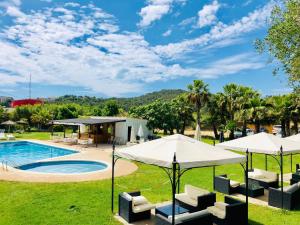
122	127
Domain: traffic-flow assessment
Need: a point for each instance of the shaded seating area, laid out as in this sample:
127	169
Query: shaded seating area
89	130
134	207
195	199
264	178
291	197
177	154
270	146
226	186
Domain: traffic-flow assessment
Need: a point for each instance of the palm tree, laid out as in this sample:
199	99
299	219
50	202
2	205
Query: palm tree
281	106
244	104
184	112
258	111
198	96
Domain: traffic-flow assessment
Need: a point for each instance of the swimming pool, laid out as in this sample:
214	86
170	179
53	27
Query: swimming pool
25	152
64	167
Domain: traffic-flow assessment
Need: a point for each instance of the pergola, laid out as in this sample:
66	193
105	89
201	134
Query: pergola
295	137
177	154
87	122
267	144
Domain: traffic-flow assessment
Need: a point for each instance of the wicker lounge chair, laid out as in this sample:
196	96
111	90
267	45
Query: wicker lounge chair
230	212
291	197
263	178
225	185
195	218
133	207
195	199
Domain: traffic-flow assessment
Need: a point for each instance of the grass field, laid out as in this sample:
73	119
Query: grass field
88	203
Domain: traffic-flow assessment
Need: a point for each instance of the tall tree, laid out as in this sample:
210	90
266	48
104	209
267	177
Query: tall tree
184	111
283	39
198	95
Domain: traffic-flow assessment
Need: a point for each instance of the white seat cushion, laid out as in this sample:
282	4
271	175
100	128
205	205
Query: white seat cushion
217	212
234	184
139	200
221	205
194	192
143	208
183	197
127	196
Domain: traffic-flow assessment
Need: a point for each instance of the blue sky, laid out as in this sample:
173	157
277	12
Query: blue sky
131	47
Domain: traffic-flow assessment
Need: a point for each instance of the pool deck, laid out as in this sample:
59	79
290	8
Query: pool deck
101	153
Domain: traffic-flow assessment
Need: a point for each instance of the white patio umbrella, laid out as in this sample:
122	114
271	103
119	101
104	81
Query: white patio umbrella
267	144
141	132
9	123
189	152
263	143
197	135
295	137
133	135
177	154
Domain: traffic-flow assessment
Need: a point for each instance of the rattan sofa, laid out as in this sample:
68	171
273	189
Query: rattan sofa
131	212
195	199
195	218
263	178
225	185
291	197
229	212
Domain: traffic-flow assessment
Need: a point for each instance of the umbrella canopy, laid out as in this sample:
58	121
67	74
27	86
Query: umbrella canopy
262	143
295	137
22	122
8	122
190	153
141	131
133	135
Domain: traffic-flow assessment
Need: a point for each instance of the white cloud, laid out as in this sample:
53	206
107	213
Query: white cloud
92	53
187	21
7	3
155	10
167	33
220	31
14	12
207	15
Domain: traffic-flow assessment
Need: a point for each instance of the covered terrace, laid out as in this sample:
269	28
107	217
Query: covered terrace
101	130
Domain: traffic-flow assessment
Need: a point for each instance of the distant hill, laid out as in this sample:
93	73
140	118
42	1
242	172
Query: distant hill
126	103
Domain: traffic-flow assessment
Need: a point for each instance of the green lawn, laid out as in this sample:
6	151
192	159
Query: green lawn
89	202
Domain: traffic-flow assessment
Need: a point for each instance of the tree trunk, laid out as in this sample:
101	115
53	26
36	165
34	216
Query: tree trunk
283	130
257	127
288	127
183	127
217	136
198	123
295	127
244	131
231	135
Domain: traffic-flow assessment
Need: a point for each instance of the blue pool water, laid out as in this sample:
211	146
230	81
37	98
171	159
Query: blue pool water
66	167
24	152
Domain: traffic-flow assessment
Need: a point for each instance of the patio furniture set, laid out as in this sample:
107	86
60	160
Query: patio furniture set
193	207
258	181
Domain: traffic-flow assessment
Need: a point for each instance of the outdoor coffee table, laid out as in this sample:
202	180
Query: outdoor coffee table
166	210
254	190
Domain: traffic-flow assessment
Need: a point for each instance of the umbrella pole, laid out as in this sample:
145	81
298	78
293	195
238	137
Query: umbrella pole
291	163
174	164
281	172
266	162
247	183
113	179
